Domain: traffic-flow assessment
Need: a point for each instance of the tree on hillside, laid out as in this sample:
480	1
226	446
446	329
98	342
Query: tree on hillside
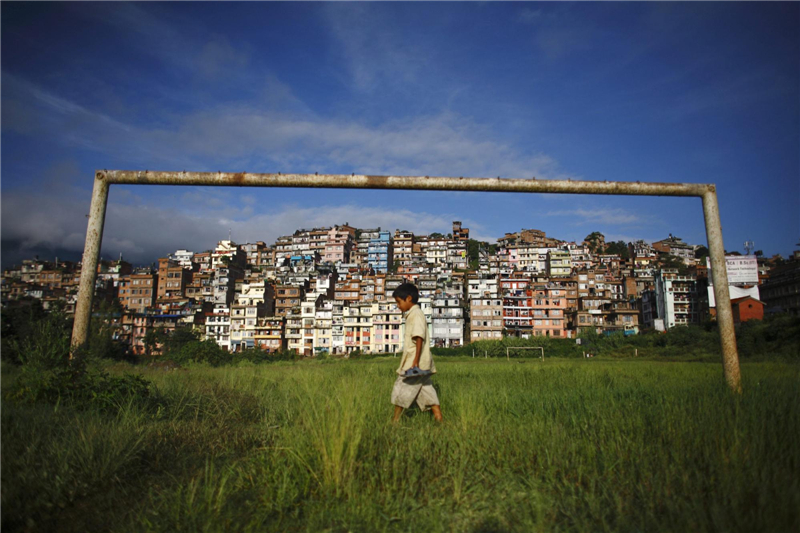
701	252
618	248
179	337
473	253
153	339
671	261
435	235
594	239
473	250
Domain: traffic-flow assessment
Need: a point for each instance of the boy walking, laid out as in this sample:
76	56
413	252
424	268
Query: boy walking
416	359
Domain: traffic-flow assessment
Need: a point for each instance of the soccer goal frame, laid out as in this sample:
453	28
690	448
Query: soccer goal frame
508	348
103	179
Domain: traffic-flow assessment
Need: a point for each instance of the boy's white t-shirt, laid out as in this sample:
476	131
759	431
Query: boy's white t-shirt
416	326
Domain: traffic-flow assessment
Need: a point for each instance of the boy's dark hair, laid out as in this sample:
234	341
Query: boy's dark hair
405	290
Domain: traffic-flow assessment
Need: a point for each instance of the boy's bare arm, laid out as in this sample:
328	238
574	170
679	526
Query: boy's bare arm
419	341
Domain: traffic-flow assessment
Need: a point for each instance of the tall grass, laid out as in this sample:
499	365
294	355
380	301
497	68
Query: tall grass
564	445
333	425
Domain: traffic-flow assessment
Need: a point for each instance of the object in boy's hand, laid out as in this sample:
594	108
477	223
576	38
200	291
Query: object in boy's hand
415	372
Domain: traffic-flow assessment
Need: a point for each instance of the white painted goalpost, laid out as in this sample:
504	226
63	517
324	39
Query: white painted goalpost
707	191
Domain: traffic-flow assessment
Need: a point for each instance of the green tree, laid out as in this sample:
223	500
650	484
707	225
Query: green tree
18	323
152	339
473	250
436	235
101	343
180	337
593	239
671	261
618	248
701	252
36	338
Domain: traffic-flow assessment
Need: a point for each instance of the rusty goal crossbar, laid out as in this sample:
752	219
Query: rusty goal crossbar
104	178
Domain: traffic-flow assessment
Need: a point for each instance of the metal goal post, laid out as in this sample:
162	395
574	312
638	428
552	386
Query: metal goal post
508	356
103	179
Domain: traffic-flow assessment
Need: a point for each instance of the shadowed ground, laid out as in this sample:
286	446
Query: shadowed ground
564	445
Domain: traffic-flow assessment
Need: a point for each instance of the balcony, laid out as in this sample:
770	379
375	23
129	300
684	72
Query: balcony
682	289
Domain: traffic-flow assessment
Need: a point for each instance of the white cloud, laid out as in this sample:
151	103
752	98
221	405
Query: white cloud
33	108
48	224
375	55
557	43
239	135
616	216
148	30
219	57
530	16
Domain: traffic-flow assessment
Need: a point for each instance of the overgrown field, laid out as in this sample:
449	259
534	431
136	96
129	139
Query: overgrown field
564	445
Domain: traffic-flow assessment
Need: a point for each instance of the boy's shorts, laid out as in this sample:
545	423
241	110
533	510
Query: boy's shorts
407	390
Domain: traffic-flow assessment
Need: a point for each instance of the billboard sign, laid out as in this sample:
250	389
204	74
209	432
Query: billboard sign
741	269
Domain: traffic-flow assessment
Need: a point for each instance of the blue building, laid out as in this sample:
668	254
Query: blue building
379	252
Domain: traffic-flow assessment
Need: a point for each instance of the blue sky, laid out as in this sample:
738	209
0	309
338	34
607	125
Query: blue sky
663	92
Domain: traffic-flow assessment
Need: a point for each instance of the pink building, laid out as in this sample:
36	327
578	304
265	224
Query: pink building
339	244
537	312
548	311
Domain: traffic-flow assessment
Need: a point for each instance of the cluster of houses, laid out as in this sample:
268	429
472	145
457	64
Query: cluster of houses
329	290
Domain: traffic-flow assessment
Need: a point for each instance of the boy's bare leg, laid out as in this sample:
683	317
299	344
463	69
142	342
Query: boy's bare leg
437	412
397	412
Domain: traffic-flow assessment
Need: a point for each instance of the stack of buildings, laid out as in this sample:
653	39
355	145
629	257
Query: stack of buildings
329	290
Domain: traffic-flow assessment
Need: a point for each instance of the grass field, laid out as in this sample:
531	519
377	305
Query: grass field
564	445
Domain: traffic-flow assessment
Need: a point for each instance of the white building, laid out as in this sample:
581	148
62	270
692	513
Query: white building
436	255
224	284
323	328
301	243
218	326
457	255
229	250
337	327
559	263
294	331
448	321
183	258
308	313
481	287
676	298
528	258
357	327
387	322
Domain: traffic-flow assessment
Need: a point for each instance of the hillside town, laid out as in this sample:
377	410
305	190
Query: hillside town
329	290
